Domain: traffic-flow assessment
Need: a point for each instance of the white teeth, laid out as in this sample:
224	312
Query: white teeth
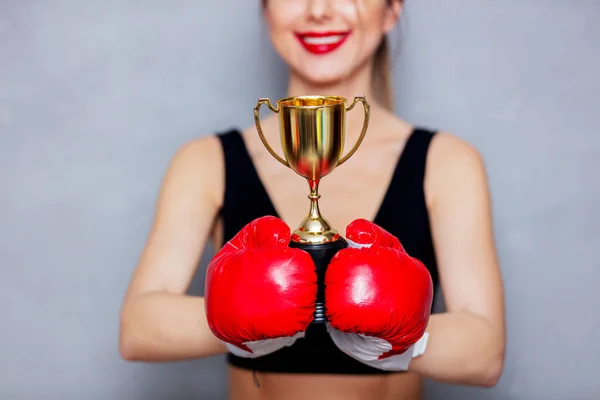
323	40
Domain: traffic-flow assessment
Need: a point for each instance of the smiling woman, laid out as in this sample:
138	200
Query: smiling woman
416	207
360	26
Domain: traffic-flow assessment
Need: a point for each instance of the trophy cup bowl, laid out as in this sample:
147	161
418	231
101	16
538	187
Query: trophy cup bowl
312	133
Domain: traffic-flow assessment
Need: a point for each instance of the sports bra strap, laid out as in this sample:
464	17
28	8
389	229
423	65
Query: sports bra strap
406	187
245	197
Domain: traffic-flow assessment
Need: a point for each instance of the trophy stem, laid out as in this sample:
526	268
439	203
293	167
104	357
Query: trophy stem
321	242
314	197
314	229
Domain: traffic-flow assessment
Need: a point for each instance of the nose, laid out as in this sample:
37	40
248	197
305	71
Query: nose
319	9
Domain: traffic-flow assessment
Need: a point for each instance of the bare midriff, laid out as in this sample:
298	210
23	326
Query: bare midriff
244	385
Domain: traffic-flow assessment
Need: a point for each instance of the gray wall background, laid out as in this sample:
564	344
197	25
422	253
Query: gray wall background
95	96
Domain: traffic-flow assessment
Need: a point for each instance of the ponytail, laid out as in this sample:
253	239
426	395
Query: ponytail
382	76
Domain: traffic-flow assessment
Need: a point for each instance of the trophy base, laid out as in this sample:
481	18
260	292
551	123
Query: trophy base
315	231
321	254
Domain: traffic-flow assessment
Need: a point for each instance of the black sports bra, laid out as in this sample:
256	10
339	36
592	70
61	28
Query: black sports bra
403	213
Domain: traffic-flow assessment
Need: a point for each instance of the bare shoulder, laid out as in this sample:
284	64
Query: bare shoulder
452	162
199	163
200	151
449	150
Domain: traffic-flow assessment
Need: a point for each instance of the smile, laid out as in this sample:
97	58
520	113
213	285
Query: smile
322	42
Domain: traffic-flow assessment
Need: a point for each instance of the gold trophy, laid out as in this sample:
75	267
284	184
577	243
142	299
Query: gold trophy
312	131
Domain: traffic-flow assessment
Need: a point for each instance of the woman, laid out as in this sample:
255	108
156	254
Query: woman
427	189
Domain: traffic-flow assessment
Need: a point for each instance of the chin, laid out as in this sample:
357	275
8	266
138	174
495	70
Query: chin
321	75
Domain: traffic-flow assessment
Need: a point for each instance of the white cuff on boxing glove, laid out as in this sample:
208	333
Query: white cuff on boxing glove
261	348
368	349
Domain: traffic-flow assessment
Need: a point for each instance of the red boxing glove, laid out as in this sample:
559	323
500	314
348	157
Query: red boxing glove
260	294
377	299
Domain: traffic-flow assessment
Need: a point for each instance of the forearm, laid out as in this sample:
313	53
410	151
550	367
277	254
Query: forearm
166	327
462	349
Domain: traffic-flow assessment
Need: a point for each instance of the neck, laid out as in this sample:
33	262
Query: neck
357	84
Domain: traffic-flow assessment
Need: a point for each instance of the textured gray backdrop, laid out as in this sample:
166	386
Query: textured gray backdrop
95	96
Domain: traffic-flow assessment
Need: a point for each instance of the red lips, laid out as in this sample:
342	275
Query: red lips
322	42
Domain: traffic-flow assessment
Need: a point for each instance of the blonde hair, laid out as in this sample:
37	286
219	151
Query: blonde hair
381	78
382	75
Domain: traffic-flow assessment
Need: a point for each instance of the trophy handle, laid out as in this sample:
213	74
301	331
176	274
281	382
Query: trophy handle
261	101
366	106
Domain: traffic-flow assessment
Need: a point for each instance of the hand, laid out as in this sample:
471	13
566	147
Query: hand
377	299
260	294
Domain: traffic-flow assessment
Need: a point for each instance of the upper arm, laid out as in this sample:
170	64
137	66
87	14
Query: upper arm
462	229
187	203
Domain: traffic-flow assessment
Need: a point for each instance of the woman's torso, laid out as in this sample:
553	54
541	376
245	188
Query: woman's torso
382	182
244	385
